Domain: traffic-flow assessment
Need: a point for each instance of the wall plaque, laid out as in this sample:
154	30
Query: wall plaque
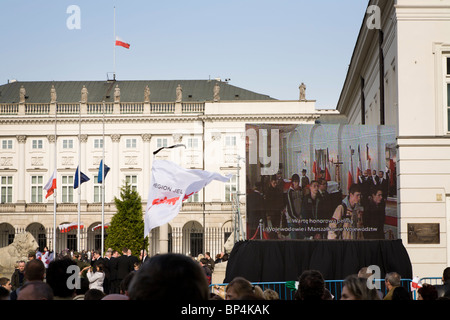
423	233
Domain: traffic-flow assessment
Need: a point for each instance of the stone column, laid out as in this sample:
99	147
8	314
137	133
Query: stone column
164	238
53	166
83	167
115	138
21	185
148	157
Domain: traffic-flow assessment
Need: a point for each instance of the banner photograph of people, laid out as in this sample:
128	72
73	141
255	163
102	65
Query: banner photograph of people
321	181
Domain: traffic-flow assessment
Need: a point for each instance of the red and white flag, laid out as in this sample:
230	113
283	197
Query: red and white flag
122	43
66	227
169	186
415	283
51	185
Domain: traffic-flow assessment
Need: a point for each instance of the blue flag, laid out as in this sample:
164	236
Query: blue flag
100	170
83	178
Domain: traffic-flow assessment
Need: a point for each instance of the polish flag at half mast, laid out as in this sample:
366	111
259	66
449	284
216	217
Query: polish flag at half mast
122	43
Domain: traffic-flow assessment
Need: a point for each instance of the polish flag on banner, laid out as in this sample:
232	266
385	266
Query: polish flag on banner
169	185
350	176
51	185
99	226
122	43
415	283
66	227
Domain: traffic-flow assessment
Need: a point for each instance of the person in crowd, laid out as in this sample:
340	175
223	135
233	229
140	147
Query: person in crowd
81	291
383	184
355	288
444	289
273	203
350	213
427	292
365	183
34	270
5	283
133	258
314	209
95	278
125	284
210	260
311	286
240	288
294	206
123	267
35	290
400	293
17	277
204	264
392	281
305	179
270	294
364	273
169	276
4	293
58	277
114	284
375	214
143	256
31	255
94	294
255	208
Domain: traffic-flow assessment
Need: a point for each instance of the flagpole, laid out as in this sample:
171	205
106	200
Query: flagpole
79	179
103	183
54	192
114	42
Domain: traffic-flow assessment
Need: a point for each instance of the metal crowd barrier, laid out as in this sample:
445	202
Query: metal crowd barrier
286	290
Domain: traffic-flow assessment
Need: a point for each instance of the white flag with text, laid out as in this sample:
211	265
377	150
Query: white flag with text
169	187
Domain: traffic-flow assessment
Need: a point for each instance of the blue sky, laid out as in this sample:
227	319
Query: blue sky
269	47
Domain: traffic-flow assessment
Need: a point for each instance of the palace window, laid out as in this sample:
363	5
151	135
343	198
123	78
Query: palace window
97	190
7	144
132	181
36	144
131	143
161	142
6	187
67	189
230	189
67	144
36	189
98	143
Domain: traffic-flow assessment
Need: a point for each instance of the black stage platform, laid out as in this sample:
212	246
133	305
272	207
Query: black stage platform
285	260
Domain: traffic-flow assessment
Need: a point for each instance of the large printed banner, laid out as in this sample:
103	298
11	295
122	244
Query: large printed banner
320	181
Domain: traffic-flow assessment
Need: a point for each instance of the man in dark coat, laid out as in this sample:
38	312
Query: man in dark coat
124	266
273	203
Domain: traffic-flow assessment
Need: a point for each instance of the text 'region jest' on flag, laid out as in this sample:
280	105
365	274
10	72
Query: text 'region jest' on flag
122	43
83	178
51	185
100	172
170	185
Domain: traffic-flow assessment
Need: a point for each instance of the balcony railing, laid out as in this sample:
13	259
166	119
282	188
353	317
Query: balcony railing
97	108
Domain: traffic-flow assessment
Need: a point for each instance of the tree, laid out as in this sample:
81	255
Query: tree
127	225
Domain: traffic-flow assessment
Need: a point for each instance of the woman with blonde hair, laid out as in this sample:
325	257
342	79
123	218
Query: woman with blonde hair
241	289
355	288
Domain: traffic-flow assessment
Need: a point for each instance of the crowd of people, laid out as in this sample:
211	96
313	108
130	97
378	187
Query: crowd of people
300	208
178	277
47	276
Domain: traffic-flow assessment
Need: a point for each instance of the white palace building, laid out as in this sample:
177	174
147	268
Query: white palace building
207	116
